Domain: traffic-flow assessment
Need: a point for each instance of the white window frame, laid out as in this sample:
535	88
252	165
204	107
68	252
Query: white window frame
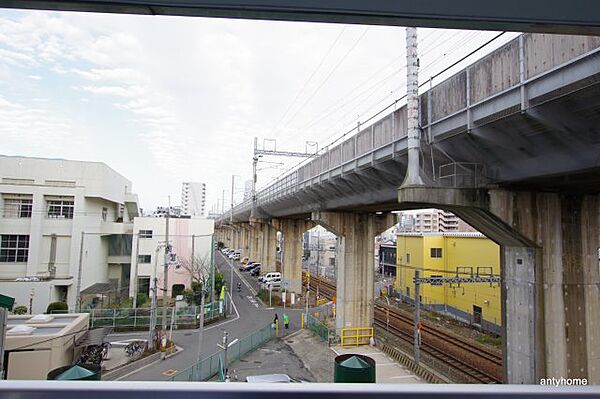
60	209
17	208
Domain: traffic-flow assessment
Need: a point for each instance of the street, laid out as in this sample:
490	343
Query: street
250	315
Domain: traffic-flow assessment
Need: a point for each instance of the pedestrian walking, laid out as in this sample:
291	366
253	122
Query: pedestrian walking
275	320
286	321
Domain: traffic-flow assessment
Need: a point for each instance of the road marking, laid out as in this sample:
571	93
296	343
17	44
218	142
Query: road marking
238	274
169	372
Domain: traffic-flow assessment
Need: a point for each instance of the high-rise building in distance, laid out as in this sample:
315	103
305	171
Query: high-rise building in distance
193	198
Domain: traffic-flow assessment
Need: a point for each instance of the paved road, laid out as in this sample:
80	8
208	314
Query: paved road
251	316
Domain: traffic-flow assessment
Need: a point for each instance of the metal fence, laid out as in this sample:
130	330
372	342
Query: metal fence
209	367
318	328
184	317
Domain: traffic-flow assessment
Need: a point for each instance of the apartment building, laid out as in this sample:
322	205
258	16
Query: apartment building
193	199
431	221
64	227
187	236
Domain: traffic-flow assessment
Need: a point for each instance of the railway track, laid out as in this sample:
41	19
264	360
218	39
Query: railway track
479	363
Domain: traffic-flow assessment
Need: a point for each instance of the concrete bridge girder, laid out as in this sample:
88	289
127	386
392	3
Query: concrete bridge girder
549	264
355	262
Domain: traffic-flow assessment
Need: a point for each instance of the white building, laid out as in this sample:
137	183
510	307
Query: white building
431	221
149	245
47	207
193	199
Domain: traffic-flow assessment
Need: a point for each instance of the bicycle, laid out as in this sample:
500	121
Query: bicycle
135	348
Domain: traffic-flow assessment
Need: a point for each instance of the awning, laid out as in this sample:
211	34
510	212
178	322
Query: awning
98	288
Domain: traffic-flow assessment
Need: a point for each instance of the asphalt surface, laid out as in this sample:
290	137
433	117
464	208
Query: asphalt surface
250	316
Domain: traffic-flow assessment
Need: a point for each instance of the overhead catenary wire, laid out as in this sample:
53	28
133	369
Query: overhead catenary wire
339	63
312	75
472	52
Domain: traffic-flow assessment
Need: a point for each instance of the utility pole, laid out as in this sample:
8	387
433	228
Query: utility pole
413	177
3	316
223	203
153	303
212	272
232	188
166	270
225	365
135	268
79	269
417	317
201	331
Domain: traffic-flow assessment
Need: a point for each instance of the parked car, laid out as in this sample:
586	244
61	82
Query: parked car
253	267
272	284
245	260
236	257
269	276
250	266
243	266
255	272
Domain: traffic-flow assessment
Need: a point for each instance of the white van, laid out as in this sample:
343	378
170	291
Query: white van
273	284
269	276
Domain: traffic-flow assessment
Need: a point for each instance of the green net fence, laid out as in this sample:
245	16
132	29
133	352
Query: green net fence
209	367
183	317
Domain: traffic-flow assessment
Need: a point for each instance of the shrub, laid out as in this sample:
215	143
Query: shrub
22	309
57	307
141	299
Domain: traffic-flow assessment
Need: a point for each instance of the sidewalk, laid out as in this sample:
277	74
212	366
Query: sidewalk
388	371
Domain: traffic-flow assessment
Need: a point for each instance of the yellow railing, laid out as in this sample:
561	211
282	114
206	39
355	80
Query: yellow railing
356	336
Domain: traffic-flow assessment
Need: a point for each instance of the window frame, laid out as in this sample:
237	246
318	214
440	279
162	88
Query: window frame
141	259
145	233
18	212
433	252
19	253
63	209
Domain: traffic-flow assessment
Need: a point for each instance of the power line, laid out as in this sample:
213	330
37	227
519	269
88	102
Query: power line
305	85
329	75
401	98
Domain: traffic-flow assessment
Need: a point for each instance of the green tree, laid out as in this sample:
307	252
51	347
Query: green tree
219	283
192	296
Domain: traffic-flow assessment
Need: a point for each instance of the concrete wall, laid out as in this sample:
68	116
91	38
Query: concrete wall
92	187
180	238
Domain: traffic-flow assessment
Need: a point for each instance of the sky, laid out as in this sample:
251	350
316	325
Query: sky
163	100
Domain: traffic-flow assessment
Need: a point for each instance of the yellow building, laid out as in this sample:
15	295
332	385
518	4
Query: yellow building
445	255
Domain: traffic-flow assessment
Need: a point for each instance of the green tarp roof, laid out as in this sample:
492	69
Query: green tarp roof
355	362
74	373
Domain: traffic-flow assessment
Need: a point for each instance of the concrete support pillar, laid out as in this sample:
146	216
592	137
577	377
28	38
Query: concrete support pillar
551	279
355	262
235	237
269	249
245	239
256	238
293	250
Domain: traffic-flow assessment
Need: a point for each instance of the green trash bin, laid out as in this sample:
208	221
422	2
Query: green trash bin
354	368
83	372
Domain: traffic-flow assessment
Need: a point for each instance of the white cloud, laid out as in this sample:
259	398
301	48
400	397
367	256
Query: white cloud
34	77
33	126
